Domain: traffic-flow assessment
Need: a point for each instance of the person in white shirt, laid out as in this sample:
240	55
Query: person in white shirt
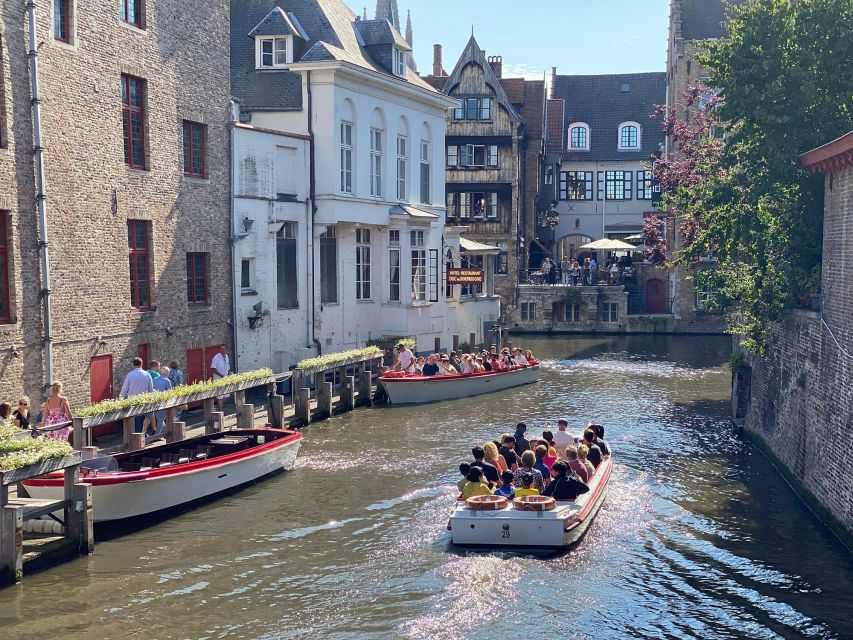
562	439
220	367
405	359
444	366
136	382
518	358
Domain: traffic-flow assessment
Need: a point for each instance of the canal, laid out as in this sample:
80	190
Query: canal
699	536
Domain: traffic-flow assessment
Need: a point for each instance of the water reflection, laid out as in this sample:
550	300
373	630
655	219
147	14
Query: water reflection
698	538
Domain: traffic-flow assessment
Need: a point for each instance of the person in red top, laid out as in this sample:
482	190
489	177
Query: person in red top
575	464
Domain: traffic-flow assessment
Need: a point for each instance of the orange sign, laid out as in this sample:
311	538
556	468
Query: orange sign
464	276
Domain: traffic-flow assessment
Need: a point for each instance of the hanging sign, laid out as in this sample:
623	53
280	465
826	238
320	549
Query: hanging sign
464	276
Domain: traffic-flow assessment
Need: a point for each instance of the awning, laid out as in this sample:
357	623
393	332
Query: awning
414	212
606	244
472	247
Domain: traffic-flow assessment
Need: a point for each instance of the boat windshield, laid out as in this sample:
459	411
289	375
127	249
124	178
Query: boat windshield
101	464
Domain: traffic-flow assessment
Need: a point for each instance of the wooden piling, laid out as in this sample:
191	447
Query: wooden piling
82	437
245	416
324	401
137	442
437	344
455	342
472	340
179	432
127	430
303	405
12	542
208	414
170	424
348	394
217	422
365	384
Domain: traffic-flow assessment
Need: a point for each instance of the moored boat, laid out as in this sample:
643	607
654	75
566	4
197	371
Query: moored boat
406	388
529	524
144	482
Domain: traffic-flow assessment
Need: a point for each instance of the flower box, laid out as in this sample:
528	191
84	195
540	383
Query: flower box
45	466
343	362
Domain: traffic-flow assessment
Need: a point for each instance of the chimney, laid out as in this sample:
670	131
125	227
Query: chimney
497	63
436	61
553	80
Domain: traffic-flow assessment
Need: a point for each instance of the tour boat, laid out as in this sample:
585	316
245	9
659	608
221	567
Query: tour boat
143	482
529	523
408	388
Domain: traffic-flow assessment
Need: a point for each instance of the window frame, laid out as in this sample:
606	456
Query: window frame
289	233
62	18
395	271
452	156
260	53
328	240
473	108
580	126
193	297
417	246
347	150
425	172
645	184
399	62
362	264
376	161
190	126
124	6
6	278
247	273
587	180
528	311
134	253
621	185
402	168
128	111
638	132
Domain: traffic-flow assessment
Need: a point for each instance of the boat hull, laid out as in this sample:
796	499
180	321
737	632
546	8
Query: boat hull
561	527
121	496
421	390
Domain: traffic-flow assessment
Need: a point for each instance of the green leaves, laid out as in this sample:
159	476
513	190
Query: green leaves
15	454
340	358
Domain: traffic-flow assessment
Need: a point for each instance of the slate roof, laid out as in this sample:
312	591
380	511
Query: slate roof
600	102
374	32
330	27
703	19
276	23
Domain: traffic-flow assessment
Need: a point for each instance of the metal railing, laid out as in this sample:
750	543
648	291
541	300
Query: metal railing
538	278
639	306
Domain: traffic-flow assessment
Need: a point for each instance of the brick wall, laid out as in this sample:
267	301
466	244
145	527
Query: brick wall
182	54
801	402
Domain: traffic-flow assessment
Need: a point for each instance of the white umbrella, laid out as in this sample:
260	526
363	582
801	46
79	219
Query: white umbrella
635	238
606	244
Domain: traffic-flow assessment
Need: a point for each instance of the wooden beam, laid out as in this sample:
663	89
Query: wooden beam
11	543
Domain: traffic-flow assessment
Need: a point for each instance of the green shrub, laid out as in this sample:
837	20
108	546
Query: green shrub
331	360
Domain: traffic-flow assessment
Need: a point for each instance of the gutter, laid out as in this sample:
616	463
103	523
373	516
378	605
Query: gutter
41	197
311	210
235	351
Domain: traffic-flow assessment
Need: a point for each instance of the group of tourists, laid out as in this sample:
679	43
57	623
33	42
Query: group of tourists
453	363
614	271
556	464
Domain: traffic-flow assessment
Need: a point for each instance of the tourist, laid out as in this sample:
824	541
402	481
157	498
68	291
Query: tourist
161	383
614	273
154	369
564	486
21	416
583	452
586	274
565	270
593	271
475	485
494	458
524	486
467	365
599	439
594	451
137	381
405	359
5	412
562	439
551	458
518	358
490	470
176	376
430	368
528	459
497	363
419	366
455	362
444	366
521	443
576	272
464	468
575	464
507	450
506	488
220	367
530	359
56	410
545	268
541	453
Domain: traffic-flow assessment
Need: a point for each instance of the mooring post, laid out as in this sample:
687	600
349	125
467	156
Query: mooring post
137	442
217	422
303	405
179	431
348	394
365	385
324	401
85	521
472	340
11	543
245	416
82	437
170	424
208	415
72	519
455	342
437	344
127	430
342	372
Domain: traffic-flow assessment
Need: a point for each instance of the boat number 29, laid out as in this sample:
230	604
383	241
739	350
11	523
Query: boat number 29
505	534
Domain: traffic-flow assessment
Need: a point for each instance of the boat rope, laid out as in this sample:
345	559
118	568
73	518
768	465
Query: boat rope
834	339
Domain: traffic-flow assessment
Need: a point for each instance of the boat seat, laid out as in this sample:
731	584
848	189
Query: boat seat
185	455
202	452
149	463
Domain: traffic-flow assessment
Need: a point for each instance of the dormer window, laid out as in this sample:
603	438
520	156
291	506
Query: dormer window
399	67
579	136
273	52
629	136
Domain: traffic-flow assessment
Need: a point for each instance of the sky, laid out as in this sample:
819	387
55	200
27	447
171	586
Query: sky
576	36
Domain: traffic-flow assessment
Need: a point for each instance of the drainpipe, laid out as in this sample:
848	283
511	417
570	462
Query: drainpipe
235	351
312	211
41	197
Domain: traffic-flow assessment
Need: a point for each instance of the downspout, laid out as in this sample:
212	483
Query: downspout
235	351
41	197
312	211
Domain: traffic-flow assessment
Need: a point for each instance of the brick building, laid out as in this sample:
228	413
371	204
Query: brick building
134	115
797	401
692	23
493	159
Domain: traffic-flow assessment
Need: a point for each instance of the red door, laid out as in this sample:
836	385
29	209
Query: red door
655	296
142	352
195	370
101	386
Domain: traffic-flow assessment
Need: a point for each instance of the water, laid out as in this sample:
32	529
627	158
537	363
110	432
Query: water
699	537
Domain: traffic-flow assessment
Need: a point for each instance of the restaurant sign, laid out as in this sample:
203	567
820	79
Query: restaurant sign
464	276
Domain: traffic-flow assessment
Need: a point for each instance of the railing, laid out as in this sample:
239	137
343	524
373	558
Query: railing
537	278
640	306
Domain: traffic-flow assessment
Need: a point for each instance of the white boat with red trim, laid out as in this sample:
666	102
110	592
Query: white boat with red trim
144	482
530	523
409	388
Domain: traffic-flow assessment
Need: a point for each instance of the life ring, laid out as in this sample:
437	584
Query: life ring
534	503
486	503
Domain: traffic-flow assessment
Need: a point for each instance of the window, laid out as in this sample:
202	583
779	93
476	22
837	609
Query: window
471	262
402	167
470	155
644	185
448	265
629	135
285	171
452	155
501	263
274	53
615	184
399	62
131	12
425	172
528	311
567	312
476	205
246	273
416	239
579	137
329	265
610	312
5	279
133	120
576	185
197	278
376	162
285	253
473	109
62	20
394	265
362	264
346	157
492	155
195	135
138	237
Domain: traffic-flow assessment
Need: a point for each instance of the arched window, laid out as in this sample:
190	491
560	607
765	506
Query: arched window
629	135
425	156
579	136
347	145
